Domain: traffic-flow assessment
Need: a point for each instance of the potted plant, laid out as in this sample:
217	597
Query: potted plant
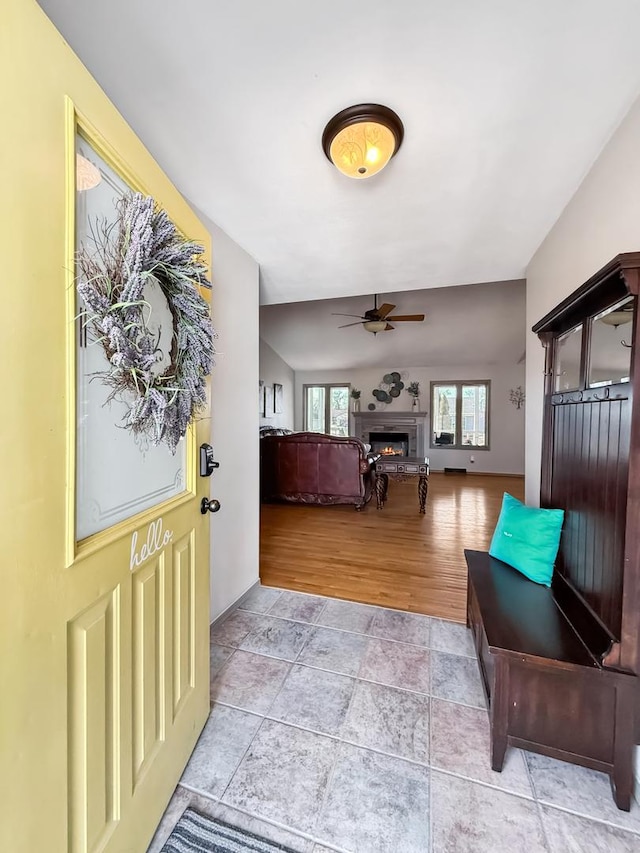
413	390
355	396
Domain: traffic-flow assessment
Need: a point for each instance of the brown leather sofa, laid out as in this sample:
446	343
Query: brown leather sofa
312	468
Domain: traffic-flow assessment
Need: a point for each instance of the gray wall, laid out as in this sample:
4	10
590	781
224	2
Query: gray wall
506	455
275	369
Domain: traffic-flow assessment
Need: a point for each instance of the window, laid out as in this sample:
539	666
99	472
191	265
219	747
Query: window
460	414
326	409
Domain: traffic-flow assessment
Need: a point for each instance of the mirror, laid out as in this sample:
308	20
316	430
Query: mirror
610	352
568	352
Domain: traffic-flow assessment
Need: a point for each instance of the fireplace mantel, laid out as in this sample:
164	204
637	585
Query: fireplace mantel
387	420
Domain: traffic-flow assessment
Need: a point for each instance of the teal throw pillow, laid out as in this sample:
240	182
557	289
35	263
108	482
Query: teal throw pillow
527	538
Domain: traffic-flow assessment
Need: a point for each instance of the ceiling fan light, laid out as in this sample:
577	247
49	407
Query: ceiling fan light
361	140
375	326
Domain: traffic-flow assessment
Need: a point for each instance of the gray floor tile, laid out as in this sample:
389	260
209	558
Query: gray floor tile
471	818
568	833
260	599
337	651
284	775
578	789
396	664
222	744
177	804
278	638
314	699
456	678
294	605
460	744
347	615
235	628
389	720
376	804
218	655
249	681
451	637
404	627
215	810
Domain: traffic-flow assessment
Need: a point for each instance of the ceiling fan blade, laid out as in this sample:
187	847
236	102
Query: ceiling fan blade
346	326
385	309
404	318
388	328
333	314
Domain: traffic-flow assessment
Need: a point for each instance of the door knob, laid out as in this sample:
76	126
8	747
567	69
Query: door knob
207	505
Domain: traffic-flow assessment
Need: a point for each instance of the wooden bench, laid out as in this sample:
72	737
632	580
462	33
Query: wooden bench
540	653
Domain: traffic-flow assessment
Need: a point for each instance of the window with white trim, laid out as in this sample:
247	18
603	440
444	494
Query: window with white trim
326	409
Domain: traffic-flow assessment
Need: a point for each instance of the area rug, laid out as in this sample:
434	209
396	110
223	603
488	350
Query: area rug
197	834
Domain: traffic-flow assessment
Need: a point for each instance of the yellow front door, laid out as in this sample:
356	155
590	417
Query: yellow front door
104	600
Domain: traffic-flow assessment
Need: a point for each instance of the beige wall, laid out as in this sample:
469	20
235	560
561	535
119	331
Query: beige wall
234	422
275	369
601	220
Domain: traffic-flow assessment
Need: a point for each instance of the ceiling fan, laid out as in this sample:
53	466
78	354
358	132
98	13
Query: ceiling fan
379	319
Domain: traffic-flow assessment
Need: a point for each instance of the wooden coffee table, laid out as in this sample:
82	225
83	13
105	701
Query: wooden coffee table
402	466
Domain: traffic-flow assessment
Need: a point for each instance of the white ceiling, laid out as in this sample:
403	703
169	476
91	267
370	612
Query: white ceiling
477	324
506	103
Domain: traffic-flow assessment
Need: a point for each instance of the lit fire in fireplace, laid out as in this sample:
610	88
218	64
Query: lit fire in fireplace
391	451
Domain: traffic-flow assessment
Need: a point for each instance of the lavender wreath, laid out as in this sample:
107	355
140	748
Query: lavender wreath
141	246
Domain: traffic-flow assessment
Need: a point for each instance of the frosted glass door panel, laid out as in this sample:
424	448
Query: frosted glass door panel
118	475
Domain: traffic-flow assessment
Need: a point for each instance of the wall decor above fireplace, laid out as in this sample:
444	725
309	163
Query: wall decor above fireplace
388	389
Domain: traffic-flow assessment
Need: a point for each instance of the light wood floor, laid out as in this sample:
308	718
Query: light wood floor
396	557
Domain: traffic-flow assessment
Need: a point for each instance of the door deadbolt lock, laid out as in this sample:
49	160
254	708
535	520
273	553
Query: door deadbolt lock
207	463
207	505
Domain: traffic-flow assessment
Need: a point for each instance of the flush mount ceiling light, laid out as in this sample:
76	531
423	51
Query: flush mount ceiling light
619	317
361	140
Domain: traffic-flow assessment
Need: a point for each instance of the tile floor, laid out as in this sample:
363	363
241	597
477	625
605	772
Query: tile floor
342	727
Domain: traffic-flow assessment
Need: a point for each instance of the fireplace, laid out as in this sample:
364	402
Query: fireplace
389	443
412	427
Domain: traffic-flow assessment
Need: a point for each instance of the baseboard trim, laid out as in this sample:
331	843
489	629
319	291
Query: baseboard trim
235	604
477	473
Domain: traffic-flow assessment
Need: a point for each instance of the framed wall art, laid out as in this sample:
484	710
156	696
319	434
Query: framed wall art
268	401
278	399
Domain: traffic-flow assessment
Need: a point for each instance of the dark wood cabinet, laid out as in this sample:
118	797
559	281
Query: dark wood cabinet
560	666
